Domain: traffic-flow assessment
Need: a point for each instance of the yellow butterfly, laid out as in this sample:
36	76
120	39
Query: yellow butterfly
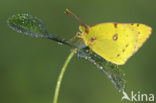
115	42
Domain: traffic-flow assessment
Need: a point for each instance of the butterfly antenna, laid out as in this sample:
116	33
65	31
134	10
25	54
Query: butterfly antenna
68	12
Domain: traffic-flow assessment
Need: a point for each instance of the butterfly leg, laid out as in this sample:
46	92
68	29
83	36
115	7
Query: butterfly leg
78	34
80	43
90	44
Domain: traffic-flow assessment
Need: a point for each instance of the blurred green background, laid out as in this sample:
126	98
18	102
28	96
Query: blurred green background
29	67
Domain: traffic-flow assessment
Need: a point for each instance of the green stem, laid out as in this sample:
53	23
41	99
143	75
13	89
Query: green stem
57	89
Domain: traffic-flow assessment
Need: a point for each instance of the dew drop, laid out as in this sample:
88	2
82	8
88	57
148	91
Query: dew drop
100	67
59	43
94	63
87	50
86	58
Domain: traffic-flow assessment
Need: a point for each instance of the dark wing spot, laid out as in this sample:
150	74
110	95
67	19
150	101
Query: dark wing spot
118	55
138	25
92	39
126	45
115	37
138	32
123	50
132	23
115	25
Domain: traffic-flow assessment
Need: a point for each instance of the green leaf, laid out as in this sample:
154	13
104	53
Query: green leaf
27	24
30	25
111	70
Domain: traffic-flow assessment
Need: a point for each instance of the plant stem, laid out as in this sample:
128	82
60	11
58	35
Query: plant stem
61	40
61	76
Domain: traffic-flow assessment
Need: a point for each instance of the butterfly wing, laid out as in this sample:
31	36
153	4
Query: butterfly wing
115	42
143	32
